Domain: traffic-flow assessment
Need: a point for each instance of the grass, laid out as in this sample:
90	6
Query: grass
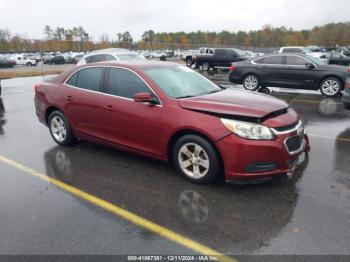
7	75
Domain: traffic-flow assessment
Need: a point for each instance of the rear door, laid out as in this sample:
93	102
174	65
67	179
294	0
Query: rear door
231	56
219	58
131	124
84	105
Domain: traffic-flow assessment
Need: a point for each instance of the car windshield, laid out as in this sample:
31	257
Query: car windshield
123	57
315	60
181	81
307	50
240	52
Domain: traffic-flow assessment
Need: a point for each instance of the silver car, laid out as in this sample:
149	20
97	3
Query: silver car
110	54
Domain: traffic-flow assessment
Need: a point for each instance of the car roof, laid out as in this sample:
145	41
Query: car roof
114	53
111	51
278	54
134	64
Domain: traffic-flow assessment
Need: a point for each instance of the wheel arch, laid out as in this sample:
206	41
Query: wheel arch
252	73
330	76
49	110
180	133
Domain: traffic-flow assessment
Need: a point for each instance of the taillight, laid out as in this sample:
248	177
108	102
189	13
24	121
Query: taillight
349	69
232	68
37	88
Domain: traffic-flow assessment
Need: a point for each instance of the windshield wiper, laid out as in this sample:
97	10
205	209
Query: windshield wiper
184	96
187	96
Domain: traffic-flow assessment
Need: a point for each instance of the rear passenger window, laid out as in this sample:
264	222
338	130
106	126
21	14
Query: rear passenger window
273	60
291	50
90	78
72	81
220	51
99	58
109	58
296	60
122	82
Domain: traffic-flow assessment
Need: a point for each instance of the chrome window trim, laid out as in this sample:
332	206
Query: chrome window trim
253	61
100	92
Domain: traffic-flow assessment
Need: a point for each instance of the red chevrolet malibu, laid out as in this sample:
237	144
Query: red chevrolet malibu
170	112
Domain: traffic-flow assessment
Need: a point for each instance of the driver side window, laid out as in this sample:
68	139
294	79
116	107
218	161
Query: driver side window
122	82
296	61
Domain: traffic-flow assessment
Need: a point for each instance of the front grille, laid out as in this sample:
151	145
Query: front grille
285	128
294	143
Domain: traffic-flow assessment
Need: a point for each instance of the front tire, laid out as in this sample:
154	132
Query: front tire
60	129
251	82
196	159
331	87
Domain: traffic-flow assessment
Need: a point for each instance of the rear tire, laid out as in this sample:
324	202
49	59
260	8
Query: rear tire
347	105
331	87
196	159
189	62
205	66
251	82
60	129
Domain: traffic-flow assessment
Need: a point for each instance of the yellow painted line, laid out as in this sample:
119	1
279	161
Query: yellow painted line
127	215
329	137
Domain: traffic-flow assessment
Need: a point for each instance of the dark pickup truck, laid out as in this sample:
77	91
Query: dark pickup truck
222	58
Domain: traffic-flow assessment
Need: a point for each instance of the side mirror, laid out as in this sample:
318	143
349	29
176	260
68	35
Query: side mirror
309	66
144	98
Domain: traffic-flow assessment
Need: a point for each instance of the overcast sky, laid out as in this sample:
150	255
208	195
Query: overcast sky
28	17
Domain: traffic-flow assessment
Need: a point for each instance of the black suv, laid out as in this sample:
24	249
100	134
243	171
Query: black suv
299	71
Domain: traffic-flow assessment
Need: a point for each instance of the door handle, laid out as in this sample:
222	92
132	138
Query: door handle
109	107
69	98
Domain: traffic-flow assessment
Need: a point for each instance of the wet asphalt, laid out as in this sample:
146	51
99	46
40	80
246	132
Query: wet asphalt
306	214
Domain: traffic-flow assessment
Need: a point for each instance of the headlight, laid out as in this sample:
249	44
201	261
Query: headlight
248	130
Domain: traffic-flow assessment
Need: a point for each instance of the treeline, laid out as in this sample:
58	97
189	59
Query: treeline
333	34
77	39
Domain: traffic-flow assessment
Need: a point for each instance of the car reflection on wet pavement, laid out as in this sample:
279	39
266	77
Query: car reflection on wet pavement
305	214
190	209
2	116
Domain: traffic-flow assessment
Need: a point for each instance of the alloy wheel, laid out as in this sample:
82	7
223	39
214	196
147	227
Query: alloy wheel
330	87
251	83
193	160
58	128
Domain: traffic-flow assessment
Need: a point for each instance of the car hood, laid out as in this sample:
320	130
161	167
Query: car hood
236	103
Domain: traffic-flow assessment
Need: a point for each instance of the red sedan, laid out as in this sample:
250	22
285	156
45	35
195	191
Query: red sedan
170	112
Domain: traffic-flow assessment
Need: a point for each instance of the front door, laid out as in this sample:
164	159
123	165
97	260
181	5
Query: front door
129	123
299	75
